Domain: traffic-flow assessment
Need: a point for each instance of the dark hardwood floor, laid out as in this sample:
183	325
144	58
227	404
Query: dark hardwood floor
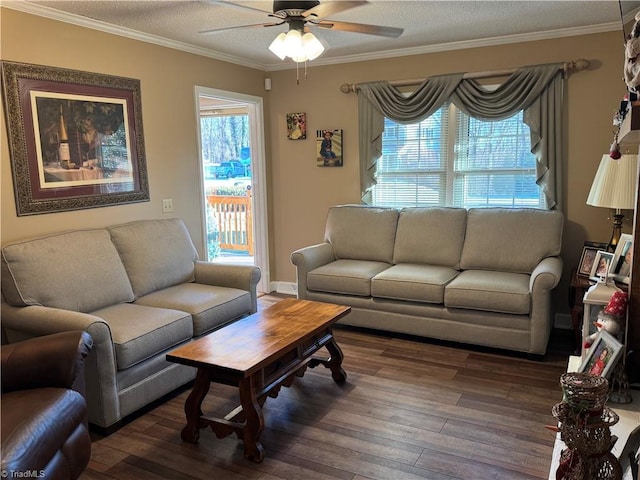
409	409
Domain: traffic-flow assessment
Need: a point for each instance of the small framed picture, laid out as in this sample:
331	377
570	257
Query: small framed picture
587	260
329	148
602	356
602	264
621	266
296	126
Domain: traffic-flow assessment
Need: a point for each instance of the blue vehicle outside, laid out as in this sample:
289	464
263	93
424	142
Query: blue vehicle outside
230	169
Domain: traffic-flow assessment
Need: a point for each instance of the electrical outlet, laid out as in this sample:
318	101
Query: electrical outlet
167	205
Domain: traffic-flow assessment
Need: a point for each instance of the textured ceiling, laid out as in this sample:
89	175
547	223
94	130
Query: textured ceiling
428	25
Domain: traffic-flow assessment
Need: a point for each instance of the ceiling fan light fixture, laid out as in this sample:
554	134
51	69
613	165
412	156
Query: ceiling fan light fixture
312	46
293	45
300	48
278	48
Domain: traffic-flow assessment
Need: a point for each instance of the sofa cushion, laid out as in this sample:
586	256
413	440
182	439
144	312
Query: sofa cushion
140	332
492	291
156	253
350	277
532	235
432	236
209	306
359	232
79	271
413	282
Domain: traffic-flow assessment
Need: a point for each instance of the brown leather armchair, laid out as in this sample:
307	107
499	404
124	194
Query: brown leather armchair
44	429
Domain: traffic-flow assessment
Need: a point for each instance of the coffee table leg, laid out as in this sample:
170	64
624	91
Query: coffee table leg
254	421
192	407
335	362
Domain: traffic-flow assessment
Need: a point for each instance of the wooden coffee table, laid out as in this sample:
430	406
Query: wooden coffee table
258	354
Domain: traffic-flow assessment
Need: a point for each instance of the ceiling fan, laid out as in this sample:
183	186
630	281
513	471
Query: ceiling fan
304	13
299	43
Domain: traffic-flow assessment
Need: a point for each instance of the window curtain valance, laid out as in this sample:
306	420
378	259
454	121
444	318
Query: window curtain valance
538	90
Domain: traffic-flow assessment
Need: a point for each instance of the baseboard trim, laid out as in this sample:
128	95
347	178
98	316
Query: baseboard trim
284	288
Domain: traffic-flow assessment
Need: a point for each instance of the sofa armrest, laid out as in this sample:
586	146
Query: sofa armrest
544	278
309	258
546	275
21	323
49	361
242	277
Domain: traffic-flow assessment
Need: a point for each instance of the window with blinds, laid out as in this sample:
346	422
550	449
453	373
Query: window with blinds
451	159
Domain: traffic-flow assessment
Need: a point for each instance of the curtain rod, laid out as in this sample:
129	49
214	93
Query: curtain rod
577	65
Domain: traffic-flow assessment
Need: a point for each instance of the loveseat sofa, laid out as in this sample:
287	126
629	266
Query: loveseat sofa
482	276
138	289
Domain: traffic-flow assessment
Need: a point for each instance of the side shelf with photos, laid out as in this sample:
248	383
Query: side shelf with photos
603	301
626	432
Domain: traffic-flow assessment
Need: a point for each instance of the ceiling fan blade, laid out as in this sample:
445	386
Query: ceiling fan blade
326	9
391	32
226	29
237	5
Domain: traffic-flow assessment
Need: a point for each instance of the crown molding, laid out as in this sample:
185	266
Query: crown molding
445	47
81	21
53	14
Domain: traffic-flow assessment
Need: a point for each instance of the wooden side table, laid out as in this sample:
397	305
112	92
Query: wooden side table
577	288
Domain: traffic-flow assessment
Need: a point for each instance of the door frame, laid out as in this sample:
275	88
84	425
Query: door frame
255	108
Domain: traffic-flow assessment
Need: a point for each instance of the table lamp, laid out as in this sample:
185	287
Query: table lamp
614	186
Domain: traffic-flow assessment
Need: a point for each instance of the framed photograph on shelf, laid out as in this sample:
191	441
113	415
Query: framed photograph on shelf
621	266
602	264
75	138
587	260
602	356
329	148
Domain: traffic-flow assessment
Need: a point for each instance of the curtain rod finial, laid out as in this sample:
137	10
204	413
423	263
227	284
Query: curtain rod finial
580	64
347	88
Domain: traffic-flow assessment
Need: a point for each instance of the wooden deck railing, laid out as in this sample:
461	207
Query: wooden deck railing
235	221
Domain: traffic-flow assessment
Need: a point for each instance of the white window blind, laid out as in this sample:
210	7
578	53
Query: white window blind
451	159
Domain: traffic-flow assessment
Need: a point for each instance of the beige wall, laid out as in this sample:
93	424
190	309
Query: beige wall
302	192
299	191
167	77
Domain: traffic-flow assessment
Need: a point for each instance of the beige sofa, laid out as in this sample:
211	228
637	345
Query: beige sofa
138	289
482	276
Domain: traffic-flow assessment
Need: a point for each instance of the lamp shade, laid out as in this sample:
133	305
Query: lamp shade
614	185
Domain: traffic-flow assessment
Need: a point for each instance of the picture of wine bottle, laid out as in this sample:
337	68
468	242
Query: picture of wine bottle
64	154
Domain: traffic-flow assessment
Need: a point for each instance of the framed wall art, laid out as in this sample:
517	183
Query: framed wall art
329	148
75	138
296	126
